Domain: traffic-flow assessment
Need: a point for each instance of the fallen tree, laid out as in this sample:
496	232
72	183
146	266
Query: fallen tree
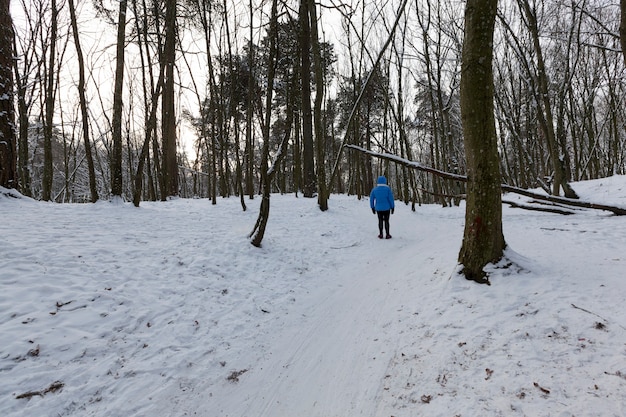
619	211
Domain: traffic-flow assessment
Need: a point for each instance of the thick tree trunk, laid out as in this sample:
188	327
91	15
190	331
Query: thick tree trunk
8	151
483	240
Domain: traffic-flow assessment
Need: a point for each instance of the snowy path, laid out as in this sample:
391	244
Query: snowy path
333	354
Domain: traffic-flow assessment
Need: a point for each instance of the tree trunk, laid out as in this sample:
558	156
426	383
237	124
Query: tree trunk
150	108
264	211
622	28
308	183
116	157
234	114
483	240
83	105
24	100
320	136
8	150
249	149
546	117
49	109
150	129
170	164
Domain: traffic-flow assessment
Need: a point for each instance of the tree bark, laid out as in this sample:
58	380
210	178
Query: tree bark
8	150
483	240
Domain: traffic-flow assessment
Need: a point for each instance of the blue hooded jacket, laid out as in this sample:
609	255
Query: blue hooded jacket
381	197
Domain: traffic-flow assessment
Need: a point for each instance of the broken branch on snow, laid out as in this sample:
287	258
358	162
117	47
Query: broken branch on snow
619	211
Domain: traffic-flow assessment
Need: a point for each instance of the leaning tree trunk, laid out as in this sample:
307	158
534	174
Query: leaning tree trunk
483	240
8	154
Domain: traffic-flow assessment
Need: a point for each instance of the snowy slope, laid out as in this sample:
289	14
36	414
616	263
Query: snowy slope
167	310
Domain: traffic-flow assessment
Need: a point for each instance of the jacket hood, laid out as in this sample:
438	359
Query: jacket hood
382	180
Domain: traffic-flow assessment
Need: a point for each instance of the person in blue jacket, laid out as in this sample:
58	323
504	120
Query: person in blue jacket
381	202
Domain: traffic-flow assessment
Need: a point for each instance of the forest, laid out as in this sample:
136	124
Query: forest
146	100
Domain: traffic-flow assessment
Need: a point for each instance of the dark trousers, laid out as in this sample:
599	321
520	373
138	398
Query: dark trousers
383	220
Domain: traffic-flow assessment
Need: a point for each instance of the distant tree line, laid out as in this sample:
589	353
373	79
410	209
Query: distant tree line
558	97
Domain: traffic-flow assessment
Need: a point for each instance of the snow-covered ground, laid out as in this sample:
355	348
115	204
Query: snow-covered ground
167	310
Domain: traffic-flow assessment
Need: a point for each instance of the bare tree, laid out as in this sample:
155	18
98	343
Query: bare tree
483	240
